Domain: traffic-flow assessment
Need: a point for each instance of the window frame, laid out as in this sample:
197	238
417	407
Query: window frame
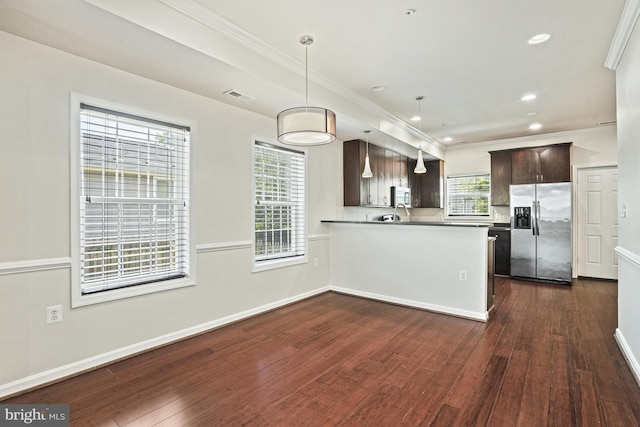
466	214
78	299
269	264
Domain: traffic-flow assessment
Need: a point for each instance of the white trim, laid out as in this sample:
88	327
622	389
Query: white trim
77	298
29	266
539	138
628	355
627	22
223	246
575	204
481	316
123	352
315	237
633	258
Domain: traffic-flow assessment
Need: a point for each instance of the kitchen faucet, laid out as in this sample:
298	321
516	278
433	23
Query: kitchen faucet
396	210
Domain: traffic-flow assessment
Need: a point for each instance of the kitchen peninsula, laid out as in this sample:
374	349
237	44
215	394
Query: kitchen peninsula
437	266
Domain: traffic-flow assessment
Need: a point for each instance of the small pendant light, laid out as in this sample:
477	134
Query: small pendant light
366	173
420	167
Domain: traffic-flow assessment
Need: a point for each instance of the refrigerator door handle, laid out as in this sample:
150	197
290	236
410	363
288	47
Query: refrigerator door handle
537	218
534	219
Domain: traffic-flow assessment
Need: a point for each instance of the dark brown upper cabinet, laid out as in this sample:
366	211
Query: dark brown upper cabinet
500	177
388	168
550	163
427	188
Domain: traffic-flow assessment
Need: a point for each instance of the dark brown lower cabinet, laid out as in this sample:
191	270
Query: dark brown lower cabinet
502	250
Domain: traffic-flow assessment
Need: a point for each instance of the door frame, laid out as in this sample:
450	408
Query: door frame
574	186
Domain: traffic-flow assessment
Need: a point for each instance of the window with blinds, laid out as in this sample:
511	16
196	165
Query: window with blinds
468	194
134	200
279	190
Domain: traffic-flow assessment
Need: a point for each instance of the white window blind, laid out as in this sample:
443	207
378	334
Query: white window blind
279	182
134	200
468	194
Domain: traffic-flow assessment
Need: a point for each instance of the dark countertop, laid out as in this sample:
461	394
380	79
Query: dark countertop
419	223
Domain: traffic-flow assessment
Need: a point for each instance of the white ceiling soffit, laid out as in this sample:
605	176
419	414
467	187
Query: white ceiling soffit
216	35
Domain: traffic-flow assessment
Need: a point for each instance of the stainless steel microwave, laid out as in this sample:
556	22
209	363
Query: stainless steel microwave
400	195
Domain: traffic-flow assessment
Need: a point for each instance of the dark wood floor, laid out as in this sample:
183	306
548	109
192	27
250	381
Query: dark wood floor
547	357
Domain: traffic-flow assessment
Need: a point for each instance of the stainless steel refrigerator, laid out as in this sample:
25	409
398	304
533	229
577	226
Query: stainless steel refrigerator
541	231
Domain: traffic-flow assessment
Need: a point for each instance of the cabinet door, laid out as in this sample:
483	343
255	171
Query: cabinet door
524	166
376	183
426	189
431	187
352	158
387	178
415	183
500	177
555	163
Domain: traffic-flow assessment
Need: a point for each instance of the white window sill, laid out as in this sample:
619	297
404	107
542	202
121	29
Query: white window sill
79	300
278	263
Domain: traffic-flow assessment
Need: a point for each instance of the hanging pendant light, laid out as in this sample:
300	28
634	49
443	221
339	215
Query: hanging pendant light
366	173
306	125
420	167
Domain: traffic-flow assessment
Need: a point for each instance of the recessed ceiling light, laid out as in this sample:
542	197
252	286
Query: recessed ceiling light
535	126
532	114
528	97
416	118
447	139
539	38
377	88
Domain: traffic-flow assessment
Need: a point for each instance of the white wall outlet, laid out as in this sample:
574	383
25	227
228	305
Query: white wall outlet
316	262
462	275
54	314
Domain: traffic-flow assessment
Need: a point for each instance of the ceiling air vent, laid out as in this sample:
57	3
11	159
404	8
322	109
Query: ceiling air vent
239	95
610	122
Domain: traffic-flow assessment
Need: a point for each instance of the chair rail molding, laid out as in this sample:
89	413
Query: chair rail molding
28	266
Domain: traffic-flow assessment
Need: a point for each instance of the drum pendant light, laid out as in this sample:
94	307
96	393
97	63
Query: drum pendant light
366	173
306	125
420	167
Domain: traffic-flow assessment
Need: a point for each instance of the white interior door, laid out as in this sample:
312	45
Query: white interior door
597	222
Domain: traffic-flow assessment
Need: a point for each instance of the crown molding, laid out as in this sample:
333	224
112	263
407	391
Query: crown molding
568	134
627	22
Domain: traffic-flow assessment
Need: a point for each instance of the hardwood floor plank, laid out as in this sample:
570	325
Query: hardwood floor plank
546	357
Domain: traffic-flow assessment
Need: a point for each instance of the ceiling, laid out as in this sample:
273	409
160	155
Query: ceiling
469	59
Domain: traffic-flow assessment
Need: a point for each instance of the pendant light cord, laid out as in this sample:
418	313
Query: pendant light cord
306	74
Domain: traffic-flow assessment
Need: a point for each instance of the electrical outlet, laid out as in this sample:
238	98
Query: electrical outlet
54	314
316	262
462	275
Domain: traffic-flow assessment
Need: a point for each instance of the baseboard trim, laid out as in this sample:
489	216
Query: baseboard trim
628	355
479	316
91	363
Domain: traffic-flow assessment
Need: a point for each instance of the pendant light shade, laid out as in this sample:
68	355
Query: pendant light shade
306	125
420	167
366	173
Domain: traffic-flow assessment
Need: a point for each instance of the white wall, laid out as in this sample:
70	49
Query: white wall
628	110
35	83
